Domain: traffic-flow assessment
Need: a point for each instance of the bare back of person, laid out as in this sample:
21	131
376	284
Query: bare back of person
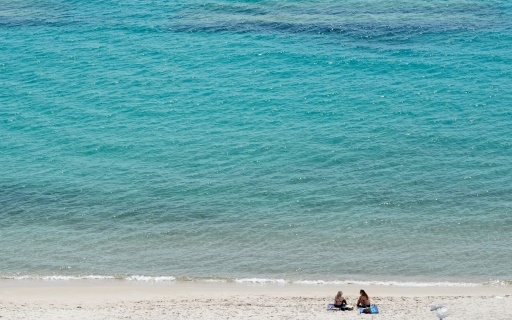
364	300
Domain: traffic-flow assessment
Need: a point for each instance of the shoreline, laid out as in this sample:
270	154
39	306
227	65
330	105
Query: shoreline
403	282
177	288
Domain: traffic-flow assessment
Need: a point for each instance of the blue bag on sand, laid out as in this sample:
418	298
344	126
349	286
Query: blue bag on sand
373	309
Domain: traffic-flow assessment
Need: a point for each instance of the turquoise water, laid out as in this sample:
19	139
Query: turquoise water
237	140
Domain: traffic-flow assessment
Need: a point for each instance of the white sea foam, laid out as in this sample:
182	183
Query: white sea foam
58	277
389	283
149	278
144	278
261	280
498	283
88	277
214	280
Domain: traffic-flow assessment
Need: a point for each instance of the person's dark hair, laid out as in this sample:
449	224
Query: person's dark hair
363	293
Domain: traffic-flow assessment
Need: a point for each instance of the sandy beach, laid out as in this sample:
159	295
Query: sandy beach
182	300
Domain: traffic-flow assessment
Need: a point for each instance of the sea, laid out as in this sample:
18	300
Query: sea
257	141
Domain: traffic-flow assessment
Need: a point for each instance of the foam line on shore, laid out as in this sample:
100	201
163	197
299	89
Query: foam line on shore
257	281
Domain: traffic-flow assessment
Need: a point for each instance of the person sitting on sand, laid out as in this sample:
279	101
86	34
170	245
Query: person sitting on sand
364	300
340	302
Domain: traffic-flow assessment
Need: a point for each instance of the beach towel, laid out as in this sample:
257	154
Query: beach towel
373	309
331	306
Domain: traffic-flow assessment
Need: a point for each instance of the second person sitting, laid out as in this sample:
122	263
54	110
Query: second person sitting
364	300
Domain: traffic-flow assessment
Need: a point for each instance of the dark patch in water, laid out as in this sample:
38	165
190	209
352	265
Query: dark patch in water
32	23
372	23
358	30
33	14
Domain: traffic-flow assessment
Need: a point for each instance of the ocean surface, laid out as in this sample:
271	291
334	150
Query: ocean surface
311	141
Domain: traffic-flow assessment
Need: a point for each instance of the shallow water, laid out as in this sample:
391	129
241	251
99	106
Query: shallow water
303	141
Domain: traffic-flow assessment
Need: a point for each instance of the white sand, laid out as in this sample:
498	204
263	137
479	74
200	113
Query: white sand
126	300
